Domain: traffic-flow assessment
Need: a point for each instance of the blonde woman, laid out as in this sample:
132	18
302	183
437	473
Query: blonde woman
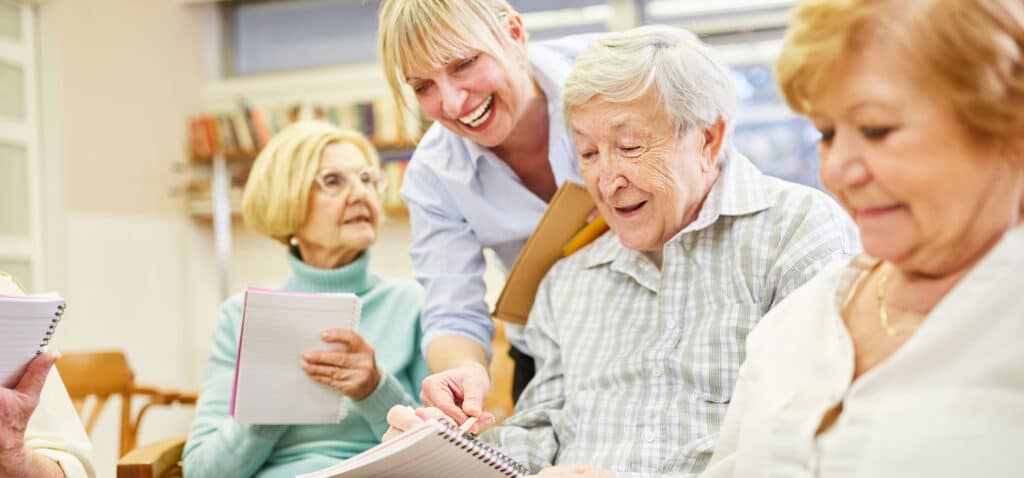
482	175
905	361
315	189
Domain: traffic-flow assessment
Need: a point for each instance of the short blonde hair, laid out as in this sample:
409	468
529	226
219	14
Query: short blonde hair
276	197
971	51
427	34
692	82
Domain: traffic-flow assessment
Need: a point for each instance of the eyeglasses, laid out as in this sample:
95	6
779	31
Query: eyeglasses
335	182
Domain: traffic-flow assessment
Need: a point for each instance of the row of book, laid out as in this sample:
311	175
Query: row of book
198	188
243	132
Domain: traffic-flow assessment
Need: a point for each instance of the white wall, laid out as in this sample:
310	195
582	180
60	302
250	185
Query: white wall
118	79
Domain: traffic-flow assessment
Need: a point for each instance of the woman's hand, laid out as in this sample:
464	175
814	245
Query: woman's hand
352	371
16	407
573	471
402	418
459	393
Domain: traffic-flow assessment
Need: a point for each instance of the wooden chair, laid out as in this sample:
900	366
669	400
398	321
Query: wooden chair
106	374
160	459
499	400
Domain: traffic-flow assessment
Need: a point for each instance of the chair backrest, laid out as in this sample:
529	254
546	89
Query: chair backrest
101	375
105	374
499	401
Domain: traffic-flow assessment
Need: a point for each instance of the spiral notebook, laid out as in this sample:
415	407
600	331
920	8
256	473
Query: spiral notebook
430	450
270	386
26	324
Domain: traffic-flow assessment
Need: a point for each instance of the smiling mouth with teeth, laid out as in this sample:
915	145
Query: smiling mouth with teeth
476	117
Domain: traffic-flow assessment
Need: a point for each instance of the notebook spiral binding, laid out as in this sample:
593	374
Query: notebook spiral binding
484	452
53	325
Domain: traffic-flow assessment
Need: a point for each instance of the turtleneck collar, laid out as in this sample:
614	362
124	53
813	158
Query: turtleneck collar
354	277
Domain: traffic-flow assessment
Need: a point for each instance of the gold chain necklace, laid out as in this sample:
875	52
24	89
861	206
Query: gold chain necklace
883	310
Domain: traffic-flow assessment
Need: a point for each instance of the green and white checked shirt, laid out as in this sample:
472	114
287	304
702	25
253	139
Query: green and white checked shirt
636	366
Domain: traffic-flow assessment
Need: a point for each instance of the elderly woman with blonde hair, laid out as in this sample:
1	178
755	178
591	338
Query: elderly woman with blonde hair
315	189
905	361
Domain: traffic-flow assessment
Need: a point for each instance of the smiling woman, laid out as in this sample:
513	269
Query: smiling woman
481	176
316	189
904	361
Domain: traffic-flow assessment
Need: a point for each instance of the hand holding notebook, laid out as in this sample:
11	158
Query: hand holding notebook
26	324
278	327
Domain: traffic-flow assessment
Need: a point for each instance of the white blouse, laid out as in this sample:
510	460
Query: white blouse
948	403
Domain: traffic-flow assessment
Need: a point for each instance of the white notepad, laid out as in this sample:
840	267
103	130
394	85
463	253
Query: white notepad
430	450
277	327
26	325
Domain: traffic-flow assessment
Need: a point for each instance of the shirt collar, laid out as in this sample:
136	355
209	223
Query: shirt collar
739	190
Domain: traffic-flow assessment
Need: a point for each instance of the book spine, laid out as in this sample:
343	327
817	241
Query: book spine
487	454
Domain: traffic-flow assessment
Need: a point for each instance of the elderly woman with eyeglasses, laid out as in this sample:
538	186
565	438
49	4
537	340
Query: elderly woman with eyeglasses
316	189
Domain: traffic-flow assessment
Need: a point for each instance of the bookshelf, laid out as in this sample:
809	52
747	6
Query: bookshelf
236	137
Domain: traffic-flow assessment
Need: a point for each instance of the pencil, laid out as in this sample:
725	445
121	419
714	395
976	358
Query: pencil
466	425
586	235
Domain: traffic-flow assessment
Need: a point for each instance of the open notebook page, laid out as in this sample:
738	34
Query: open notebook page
430	450
277	327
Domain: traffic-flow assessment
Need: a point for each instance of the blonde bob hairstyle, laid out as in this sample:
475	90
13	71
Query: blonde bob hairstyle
693	85
425	35
970	51
276	197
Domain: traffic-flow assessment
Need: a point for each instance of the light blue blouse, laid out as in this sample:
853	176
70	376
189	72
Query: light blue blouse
462	199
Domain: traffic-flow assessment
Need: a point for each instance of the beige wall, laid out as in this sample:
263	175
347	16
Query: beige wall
118	79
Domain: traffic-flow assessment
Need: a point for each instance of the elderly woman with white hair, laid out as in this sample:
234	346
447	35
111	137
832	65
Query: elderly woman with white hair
315	189
640	335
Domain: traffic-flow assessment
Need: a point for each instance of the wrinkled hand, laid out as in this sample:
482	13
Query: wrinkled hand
402	417
459	393
16	407
573	471
352	371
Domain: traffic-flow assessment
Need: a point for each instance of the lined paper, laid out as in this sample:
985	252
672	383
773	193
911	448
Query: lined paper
26	324
426	451
277	327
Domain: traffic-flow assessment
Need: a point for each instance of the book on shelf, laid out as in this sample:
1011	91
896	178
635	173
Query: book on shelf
27	323
244	131
261	125
277	327
431	449
394	171
201	147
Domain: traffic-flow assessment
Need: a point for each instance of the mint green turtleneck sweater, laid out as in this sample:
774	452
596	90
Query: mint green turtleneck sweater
219	447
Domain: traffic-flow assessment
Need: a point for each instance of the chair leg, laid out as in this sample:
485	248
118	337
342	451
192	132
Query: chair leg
127	437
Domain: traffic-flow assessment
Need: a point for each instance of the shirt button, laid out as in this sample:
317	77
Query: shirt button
671	325
650	437
656	372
